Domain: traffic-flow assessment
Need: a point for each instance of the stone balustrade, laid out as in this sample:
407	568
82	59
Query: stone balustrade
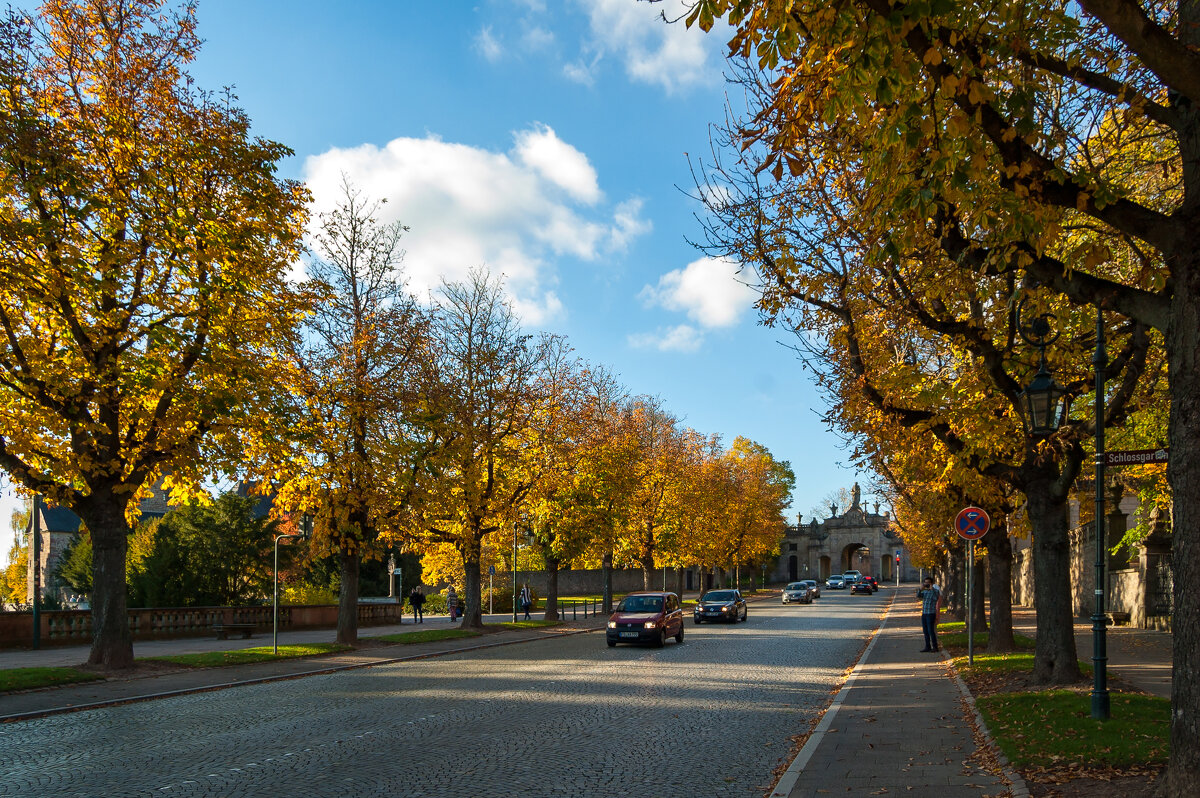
67	627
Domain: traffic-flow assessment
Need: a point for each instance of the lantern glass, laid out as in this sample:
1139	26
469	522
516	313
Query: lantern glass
1045	403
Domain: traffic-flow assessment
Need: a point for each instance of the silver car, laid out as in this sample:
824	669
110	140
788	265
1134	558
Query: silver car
797	593
813	586
835	582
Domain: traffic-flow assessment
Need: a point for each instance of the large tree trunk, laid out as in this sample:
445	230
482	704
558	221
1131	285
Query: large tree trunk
1183	347
953	590
472	588
112	645
978	598
347	619
999	566
1055	659
606	573
551	588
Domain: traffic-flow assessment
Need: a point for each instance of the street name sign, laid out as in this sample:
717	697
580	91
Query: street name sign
972	523
1136	457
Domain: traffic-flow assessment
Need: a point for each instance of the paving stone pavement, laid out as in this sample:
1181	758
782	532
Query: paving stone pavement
564	716
900	726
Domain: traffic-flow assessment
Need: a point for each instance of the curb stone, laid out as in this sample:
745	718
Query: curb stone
1019	788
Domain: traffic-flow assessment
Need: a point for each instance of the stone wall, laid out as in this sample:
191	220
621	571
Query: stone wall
74	627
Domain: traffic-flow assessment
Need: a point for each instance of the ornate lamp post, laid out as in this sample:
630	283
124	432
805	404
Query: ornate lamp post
1100	702
1046	407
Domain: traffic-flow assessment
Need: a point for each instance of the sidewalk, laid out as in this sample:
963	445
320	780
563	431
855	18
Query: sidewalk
900	725
1141	657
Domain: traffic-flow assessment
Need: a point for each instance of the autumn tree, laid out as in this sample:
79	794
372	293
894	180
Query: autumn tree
352	372
557	510
144	245
652	520
1008	98
477	412
606	477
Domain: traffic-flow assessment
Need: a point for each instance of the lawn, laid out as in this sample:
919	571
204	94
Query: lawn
219	659
526	624
426	636
1054	728
30	678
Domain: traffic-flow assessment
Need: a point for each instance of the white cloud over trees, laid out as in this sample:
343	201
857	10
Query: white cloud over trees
517	213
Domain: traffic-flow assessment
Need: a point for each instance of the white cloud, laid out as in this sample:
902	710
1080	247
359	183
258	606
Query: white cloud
708	290
488	45
514	213
560	163
628	223
537	38
680	338
672	56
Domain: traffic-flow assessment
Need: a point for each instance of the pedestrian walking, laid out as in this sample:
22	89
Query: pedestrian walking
526	600
452	603
931	603
417	599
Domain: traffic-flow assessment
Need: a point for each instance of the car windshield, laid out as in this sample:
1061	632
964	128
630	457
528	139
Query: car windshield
642	603
808	582
720	595
796	586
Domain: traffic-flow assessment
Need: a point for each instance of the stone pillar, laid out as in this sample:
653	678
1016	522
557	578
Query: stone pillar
1118	524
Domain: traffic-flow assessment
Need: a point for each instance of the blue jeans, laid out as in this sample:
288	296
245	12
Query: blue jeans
929	627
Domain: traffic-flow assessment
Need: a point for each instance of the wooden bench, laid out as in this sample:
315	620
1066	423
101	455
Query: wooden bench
223	629
1119	618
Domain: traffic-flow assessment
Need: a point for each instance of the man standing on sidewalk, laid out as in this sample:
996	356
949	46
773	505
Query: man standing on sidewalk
931	602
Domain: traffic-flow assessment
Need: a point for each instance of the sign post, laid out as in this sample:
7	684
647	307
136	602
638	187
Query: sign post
971	523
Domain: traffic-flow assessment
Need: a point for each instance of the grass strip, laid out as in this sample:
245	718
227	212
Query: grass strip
958	639
526	624
31	678
220	659
426	636
1054	728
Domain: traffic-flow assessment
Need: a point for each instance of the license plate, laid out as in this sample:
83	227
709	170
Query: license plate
629	634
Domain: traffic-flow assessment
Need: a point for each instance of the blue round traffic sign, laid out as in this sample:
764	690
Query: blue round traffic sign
972	523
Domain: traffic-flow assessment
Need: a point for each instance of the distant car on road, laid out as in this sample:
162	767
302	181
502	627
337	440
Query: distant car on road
720	605
870	580
861	587
835	582
649	617
813	587
797	593
850	577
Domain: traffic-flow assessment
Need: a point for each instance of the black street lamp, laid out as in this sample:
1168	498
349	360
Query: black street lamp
1100	701
1045	401
304	534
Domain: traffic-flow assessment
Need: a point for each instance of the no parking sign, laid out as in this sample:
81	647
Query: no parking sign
972	523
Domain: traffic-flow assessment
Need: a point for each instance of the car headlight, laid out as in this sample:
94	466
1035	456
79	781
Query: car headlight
612	624
727	608
651	624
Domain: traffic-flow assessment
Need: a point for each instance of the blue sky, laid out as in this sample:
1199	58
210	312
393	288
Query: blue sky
547	141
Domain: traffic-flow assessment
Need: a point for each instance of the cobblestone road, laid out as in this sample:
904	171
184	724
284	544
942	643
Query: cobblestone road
564	717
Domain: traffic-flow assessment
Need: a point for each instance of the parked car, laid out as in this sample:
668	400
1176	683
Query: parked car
649	617
721	605
814	587
835	582
797	593
861	587
870	580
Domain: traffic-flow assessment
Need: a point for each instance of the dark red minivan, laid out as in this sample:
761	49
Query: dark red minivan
646	618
